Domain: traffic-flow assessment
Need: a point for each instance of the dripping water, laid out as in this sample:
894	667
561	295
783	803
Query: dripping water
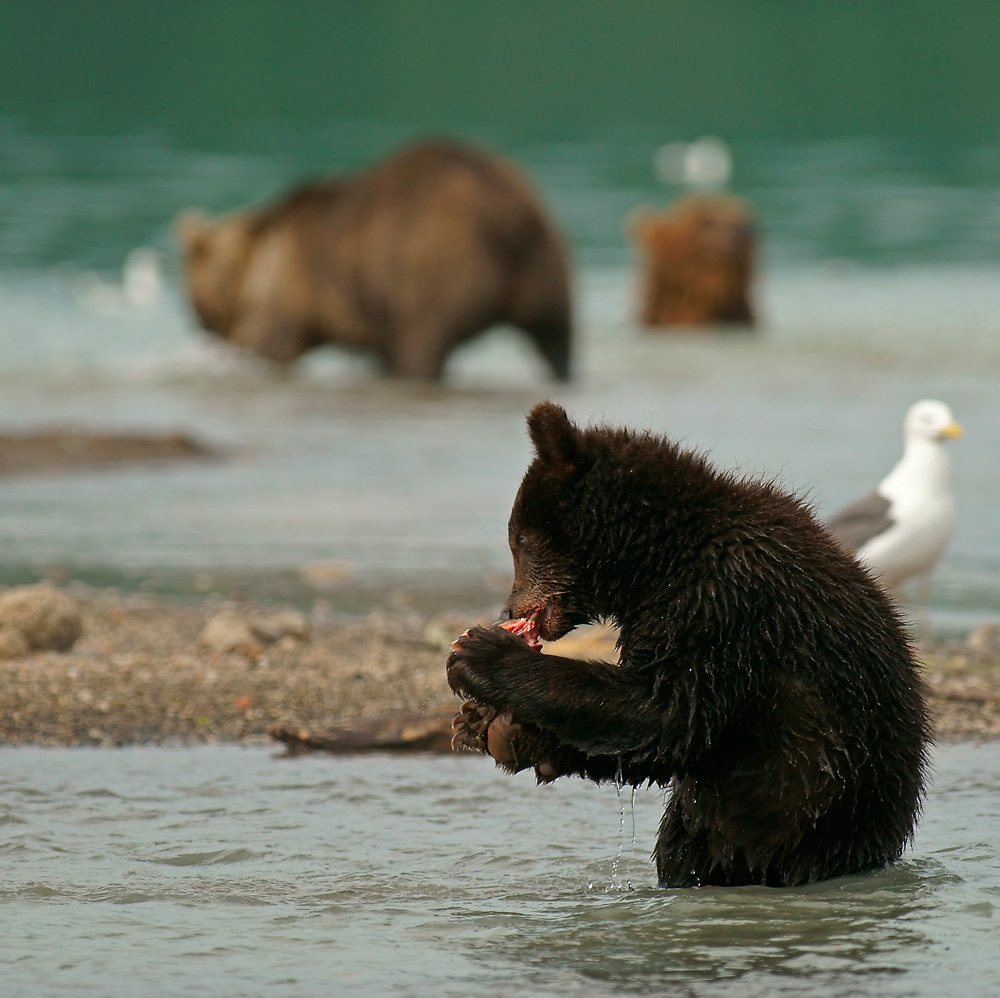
616	883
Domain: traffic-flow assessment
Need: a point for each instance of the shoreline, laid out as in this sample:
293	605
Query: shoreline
146	671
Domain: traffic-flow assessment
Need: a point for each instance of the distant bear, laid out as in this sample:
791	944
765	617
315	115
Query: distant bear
763	675
697	262
406	260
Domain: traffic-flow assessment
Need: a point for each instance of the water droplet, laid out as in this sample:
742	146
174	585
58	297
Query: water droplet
616	883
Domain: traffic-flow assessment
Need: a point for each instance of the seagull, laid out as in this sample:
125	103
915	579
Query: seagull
900	530
140	289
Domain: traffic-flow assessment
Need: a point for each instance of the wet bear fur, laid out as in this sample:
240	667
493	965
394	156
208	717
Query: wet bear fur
696	262
406	261
763	675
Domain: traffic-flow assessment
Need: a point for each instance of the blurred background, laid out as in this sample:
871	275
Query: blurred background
865	137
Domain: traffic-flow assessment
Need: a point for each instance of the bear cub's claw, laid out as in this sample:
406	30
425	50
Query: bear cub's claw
470	725
477	728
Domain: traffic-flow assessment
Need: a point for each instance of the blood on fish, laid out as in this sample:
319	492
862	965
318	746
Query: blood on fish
525	630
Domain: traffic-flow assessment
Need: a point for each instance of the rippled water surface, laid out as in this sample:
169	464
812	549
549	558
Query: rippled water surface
229	871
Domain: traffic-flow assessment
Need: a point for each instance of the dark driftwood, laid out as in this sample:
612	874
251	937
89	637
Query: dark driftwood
65	449
402	732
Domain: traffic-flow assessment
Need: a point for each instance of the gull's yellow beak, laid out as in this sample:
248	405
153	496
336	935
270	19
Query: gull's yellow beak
953	431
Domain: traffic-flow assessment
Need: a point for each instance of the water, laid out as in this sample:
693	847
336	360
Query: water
225	871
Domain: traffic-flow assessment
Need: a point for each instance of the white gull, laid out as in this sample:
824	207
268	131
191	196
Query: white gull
900	530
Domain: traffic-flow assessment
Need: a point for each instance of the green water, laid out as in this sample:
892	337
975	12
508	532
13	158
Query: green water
555	69
858	130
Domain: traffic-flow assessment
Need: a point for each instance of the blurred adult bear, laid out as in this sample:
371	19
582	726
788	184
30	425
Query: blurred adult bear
697	262
406	260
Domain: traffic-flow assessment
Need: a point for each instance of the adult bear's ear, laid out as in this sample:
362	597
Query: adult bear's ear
640	225
192	230
556	439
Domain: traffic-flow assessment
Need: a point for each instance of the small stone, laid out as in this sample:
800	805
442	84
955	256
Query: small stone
47	617
283	624
228	631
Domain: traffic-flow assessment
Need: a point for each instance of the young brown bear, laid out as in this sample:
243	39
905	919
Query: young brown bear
763	674
697	262
407	260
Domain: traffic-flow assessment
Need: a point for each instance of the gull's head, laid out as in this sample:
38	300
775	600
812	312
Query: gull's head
930	420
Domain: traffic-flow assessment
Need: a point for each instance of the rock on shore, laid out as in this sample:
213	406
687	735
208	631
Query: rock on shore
37	618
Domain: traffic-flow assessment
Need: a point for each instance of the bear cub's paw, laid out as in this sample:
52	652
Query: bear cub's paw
470	725
486	663
477	728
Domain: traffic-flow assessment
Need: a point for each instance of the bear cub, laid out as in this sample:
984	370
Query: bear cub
764	677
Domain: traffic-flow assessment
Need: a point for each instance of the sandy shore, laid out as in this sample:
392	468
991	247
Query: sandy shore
141	673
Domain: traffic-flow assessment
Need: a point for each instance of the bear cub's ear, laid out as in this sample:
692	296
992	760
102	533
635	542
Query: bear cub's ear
555	438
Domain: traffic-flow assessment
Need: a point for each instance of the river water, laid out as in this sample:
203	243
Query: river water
230	871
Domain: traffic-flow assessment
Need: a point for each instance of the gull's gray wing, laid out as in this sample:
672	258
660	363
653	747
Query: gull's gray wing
862	520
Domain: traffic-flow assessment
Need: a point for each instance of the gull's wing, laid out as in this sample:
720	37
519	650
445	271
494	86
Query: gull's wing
856	524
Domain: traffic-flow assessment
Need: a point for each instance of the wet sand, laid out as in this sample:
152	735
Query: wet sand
140	673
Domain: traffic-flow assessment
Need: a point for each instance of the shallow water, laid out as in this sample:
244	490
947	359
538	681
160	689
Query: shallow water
229	871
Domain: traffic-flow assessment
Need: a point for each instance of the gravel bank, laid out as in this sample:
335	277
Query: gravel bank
141	673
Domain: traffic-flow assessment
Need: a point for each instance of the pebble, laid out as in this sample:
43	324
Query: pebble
229	630
47	618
